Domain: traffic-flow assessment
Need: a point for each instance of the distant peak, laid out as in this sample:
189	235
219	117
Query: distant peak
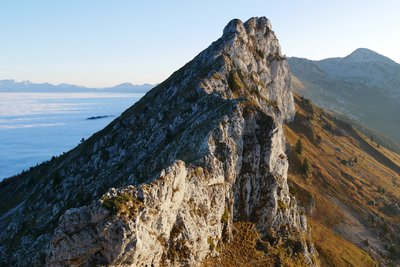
363	53
363	50
124	84
366	55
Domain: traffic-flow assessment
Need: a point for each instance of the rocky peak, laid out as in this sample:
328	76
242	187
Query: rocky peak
234	26
252	27
251	61
173	174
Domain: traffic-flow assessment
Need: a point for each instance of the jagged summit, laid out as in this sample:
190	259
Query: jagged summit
245	49
199	152
262	25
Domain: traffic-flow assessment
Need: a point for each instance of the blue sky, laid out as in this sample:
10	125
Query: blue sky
103	43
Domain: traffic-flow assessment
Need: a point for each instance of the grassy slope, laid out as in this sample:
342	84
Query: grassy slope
351	201
247	249
336	195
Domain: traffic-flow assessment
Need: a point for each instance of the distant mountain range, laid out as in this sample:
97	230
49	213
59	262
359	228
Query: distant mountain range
27	86
363	85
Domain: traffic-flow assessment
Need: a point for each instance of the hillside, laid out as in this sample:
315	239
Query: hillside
364	86
350	191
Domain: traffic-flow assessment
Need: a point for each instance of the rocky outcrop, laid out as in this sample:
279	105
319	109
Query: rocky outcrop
200	151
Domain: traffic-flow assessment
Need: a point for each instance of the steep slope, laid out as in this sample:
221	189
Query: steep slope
363	85
350	191
198	154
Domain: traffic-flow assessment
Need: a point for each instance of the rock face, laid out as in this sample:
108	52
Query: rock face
202	150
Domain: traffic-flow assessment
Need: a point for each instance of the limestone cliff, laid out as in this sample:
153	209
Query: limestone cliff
165	181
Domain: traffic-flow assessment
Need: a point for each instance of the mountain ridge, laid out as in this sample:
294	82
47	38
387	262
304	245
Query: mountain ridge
361	54
174	174
10	86
367	91
367	55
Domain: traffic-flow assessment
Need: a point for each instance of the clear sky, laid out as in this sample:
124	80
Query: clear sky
103	42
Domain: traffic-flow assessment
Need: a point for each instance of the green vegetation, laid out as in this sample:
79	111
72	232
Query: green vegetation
318	139
306	168
225	216
210	241
306	103
124	205
234	82
198	172
299	147
381	189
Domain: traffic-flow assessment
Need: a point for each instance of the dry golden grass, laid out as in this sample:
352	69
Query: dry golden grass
296	83
335	251
247	249
337	184
337	190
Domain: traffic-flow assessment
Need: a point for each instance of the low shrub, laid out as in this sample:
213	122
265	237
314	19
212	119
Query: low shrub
124	205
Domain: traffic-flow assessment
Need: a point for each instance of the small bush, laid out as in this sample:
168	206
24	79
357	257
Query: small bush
298	147
306	168
225	216
124	205
381	189
306	103
210	241
198	172
318	139
234	82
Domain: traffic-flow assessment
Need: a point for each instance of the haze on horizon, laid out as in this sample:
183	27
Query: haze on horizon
102	43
